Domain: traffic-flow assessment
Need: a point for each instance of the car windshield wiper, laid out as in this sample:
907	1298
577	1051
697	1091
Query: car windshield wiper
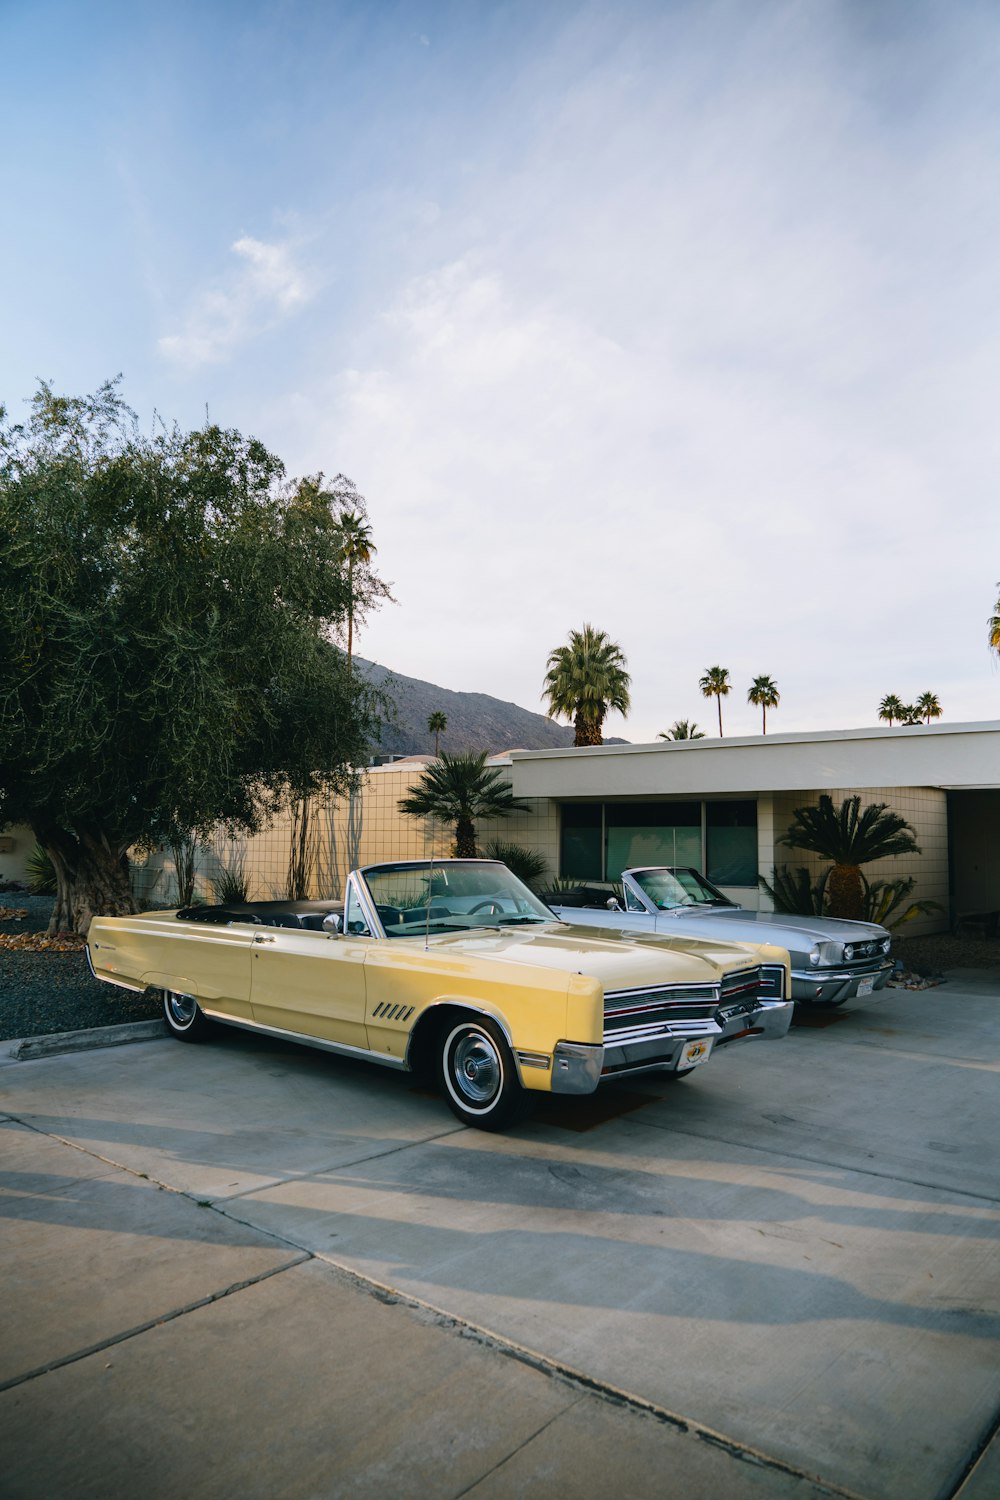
510	921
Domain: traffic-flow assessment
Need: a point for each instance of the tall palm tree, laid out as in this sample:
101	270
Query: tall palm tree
891	708
850	838
437	723
715	684
357	547
929	706
585	681
994	626
764	693
459	789
681	729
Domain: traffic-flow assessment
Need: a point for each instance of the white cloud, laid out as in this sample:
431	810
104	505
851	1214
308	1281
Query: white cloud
266	287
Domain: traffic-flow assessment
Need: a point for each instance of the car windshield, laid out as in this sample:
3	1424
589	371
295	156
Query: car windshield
683	887
450	896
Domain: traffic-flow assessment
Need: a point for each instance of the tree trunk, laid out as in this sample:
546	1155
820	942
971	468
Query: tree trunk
465	839
718	704
845	893
588	730
91	878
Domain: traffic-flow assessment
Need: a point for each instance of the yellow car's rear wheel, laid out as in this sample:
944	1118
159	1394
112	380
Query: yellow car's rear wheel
183	1017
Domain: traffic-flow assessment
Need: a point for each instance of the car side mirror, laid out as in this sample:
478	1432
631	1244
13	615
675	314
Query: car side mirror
612	904
333	924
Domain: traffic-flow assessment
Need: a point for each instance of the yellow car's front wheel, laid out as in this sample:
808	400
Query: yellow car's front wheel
477	1074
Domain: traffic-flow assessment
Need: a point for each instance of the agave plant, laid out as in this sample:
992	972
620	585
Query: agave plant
883	897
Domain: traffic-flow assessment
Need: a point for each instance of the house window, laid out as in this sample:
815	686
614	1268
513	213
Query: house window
580	844
731	843
651	833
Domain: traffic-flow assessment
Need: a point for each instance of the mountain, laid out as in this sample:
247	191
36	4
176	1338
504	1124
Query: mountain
475	720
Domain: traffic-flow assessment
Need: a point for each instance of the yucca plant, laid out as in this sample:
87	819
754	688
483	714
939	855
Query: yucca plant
525	863
850	838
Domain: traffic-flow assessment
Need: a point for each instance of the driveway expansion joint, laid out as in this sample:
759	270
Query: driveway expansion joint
167	1317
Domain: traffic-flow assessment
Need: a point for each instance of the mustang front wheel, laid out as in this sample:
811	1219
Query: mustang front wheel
478	1077
184	1017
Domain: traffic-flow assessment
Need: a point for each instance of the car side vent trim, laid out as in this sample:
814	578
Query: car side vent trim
386	1012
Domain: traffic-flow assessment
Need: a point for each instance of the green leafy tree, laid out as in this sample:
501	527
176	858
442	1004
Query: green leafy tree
892	708
681	729
928	706
437	723
459	789
715	684
586	679
165	655
850	838
763	693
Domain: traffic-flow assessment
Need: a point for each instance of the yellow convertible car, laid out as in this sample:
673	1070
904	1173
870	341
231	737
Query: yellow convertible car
453	965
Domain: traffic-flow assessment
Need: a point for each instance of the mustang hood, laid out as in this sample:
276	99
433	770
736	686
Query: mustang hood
767	926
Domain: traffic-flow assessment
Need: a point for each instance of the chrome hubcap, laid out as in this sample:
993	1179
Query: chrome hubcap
181	1008
476	1067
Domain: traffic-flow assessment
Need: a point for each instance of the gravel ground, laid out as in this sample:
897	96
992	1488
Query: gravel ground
45	992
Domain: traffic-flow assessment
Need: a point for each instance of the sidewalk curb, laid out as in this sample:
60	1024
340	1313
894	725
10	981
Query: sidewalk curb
86	1041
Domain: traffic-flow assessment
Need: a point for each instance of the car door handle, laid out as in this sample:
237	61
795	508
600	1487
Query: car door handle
260	938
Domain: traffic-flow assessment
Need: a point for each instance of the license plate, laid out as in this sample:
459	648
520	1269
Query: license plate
865	986
693	1053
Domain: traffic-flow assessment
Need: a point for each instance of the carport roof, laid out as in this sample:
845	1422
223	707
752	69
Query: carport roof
952	757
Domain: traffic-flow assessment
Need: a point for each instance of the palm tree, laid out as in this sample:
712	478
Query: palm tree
891	708
929	705
585	680
850	838
437	723
994	626
764	693
681	729
459	789
911	715
356	548
716	684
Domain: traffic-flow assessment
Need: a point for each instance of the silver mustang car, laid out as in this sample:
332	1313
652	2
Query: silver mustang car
832	960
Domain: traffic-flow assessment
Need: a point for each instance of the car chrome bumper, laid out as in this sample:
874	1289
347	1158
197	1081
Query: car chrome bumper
769	1019
830	986
576	1068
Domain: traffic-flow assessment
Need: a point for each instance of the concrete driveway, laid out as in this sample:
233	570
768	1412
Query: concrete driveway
247	1268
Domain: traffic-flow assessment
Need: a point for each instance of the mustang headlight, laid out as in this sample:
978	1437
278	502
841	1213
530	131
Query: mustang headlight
827	953
848	952
885	944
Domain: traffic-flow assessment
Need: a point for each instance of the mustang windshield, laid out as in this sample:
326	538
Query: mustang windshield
668	889
456	896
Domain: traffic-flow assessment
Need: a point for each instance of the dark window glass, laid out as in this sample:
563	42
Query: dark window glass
732	842
580	841
652	833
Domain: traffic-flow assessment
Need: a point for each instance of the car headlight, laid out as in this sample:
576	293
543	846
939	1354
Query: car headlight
826	953
885	944
848	952
814	956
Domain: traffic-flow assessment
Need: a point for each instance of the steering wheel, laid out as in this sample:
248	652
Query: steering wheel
495	909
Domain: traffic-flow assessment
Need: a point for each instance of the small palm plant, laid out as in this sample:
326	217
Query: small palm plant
585	681
459	789
715	684
764	694
356	548
850	838
682	729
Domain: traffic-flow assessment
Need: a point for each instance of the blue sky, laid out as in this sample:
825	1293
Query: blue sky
681	319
